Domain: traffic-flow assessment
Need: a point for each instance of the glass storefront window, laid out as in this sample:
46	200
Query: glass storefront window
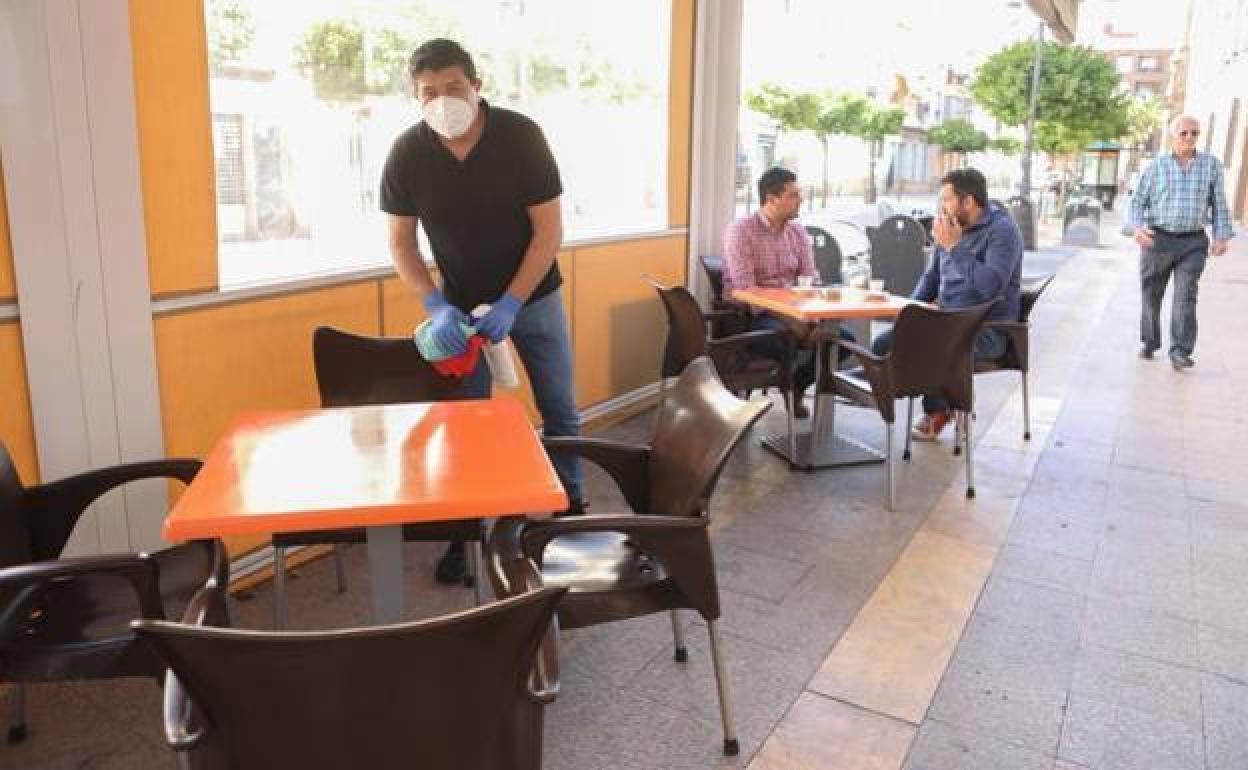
307	97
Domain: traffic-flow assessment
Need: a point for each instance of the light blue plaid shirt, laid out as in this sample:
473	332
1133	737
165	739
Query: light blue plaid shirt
1178	199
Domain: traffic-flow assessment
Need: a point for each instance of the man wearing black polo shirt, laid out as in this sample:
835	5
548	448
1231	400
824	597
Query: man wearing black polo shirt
483	182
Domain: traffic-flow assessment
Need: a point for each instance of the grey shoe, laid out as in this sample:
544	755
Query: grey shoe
1180	361
1146	353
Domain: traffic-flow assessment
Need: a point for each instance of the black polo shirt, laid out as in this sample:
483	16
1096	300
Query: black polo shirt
475	212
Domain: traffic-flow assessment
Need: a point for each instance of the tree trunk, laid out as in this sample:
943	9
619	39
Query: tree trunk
869	189
823	141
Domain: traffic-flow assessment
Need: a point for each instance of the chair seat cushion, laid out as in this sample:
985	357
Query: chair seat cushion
598	561
93	614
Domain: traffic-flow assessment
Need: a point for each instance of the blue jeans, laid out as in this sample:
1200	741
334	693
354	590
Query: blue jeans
540	335
1185	257
989	345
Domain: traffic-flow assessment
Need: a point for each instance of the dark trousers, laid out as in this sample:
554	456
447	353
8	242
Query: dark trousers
1184	256
804	366
989	345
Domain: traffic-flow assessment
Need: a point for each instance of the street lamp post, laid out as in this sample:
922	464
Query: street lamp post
1028	138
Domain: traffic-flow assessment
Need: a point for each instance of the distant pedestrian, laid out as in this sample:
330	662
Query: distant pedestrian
1178	194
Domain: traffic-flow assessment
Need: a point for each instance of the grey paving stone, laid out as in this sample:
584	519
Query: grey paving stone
942	746
763	683
1146	575
615	653
1226	723
987	639
1146	685
1031	606
1140	632
1057	532
1021	704
760	534
756	574
1223	652
1042	567
1109	737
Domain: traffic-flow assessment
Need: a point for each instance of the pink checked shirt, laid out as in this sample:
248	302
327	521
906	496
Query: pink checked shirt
755	256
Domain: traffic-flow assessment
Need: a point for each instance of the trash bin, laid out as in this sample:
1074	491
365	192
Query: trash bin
1023	213
1081	221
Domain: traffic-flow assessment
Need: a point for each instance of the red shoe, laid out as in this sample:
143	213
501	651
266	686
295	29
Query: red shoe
929	426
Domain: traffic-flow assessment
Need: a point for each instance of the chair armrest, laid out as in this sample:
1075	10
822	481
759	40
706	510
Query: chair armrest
67	498
718	313
180	731
1017	334
864	356
627	464
139	570
722	349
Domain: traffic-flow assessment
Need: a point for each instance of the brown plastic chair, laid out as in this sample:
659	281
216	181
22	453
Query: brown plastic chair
1017	336
658	558
727	317
931	355
458	691
354	370
63	619
740	370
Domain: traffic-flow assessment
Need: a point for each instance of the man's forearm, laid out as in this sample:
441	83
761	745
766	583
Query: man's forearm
533	267
411	268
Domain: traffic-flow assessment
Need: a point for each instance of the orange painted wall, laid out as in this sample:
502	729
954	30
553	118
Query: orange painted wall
8	286
16	429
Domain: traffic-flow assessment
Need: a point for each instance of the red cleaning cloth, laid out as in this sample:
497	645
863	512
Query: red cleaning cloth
463	364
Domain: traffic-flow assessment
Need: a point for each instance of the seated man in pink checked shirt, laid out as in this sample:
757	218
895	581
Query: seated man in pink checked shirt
770	249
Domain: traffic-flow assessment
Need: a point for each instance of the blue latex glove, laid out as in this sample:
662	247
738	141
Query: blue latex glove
496	324
445	319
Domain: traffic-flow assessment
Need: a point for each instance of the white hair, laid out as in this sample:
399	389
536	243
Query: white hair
1179	120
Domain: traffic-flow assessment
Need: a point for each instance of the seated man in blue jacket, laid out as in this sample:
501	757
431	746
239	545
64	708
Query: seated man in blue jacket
978	257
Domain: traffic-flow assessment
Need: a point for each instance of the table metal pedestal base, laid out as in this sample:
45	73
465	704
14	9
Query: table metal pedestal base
385	573
833	451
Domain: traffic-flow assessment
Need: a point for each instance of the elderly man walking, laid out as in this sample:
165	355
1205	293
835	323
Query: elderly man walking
1178	194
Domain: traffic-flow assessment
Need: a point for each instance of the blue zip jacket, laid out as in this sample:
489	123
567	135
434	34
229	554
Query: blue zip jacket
985	263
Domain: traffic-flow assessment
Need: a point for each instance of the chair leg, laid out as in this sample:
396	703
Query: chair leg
17	713
888	461
905	455
678	638
340	570
1026	410
957	433
478	582
970	459
731	747
791	402
279	588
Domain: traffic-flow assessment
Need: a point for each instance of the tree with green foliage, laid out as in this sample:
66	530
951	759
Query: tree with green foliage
1143	119
1006	145
346	62
876	125
958	136
230	31
1079	100
791	112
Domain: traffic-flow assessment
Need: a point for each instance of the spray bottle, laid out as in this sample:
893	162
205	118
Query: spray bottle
498	355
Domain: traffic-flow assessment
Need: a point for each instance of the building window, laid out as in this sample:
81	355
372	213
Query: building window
308	97
1149	64
1125	64
1146	91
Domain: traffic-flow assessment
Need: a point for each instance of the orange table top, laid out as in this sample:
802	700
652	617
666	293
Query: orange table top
813	305
291	471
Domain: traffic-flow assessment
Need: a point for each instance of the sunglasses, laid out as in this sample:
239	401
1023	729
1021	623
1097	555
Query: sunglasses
1195	132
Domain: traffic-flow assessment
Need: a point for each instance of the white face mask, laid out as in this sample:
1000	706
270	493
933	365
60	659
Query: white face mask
449	115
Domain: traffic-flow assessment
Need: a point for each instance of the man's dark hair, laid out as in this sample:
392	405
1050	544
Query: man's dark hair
968	181
773	181
438	54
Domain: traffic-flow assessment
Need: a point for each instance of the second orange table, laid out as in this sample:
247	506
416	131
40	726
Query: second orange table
377	467
822	447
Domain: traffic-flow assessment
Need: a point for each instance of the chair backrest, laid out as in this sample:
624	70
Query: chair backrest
1031	292
932	352
897	254
15	547
714	267
827	254
354	370
686	331
699	424
446	692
